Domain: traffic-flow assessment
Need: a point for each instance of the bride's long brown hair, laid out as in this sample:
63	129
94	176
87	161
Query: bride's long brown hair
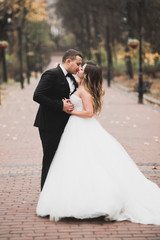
93	81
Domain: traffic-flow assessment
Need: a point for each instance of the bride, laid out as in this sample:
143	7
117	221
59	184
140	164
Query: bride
91	174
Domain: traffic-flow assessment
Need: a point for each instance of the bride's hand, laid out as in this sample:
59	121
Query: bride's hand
67	106
72	112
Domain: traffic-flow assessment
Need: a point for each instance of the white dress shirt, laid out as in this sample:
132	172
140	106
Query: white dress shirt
69	80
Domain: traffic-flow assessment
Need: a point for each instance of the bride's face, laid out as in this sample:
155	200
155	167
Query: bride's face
80	73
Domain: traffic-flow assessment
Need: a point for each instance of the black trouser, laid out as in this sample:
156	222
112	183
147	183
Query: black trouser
50	140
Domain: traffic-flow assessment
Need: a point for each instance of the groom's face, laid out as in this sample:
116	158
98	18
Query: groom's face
74	65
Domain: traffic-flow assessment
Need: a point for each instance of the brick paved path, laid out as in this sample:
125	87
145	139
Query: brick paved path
135	126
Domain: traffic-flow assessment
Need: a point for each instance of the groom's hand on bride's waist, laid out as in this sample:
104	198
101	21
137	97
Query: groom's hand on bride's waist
67	106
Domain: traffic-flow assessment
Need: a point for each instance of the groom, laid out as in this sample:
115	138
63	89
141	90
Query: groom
52	93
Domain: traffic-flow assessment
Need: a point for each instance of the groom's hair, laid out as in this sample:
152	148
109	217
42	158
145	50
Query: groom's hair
71	53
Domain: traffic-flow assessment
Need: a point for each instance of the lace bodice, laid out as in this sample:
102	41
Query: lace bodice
77	102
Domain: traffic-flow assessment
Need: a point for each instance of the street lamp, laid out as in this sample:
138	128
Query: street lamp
5	26
19	30
108	51
140	88
27	38
4	67
126	29
6	19
9	28
2	38
99	49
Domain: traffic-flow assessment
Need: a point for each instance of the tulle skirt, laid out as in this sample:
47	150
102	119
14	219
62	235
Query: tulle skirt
92	175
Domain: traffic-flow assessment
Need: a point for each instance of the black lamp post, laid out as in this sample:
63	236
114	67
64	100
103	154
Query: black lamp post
108	57
27	38
99	39
5	27
3	23
108	51
9	28
4	67
97	51
19	30
126	29
1	38
140	88
8	25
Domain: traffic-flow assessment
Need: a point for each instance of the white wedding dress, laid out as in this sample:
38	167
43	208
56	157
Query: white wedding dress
92	175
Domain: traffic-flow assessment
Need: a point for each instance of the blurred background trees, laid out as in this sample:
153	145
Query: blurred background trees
23	24
89	20
106	31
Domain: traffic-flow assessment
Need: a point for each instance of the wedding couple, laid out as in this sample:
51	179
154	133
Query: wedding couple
86	173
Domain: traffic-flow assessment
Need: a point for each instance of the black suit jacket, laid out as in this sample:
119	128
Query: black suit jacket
52	88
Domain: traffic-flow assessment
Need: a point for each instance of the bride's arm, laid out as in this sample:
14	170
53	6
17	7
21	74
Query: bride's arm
87	105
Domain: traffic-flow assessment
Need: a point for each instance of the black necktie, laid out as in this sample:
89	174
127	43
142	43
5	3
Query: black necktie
69	75
73	79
